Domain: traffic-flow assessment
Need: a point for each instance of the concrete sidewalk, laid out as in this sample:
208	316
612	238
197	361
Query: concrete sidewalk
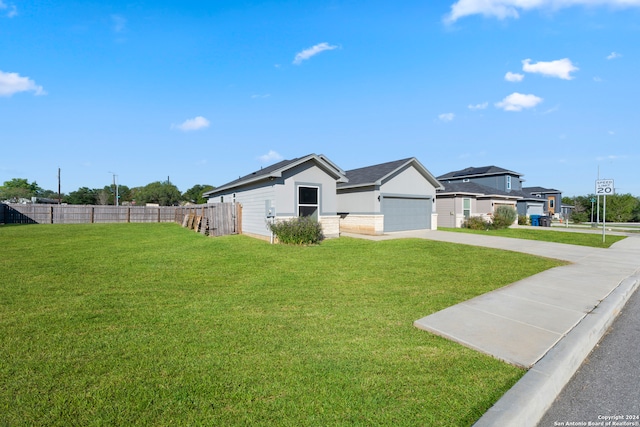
547	323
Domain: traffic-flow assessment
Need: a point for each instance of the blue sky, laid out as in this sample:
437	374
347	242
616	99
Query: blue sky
203	92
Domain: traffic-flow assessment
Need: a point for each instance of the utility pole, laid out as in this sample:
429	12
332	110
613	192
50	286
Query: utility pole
59	193
115	186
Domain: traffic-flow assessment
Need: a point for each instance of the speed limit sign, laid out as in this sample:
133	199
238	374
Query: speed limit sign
604	187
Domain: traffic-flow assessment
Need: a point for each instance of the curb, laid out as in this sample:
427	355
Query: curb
529	399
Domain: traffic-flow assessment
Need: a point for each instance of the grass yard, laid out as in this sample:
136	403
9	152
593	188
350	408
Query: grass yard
153	324
546	235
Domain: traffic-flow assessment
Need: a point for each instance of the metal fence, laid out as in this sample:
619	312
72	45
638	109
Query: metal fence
215	219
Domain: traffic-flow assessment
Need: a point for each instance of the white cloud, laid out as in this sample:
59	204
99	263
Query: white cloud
482	106
192	124
613	55
11	83
560	68
446	117
518	101
119	23
270	157
9	10
513	77
503	9
312	51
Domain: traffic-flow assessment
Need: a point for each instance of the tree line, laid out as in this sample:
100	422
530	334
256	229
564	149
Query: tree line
162	193
620	208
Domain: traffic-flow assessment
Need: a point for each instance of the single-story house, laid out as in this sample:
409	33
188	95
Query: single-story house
393	196
458	201
305	186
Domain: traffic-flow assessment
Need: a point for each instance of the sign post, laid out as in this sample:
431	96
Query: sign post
605	188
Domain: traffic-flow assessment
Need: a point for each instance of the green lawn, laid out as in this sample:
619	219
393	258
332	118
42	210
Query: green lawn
153	324
546	235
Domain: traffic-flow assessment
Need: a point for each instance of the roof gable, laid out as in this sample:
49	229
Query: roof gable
276	170
376	174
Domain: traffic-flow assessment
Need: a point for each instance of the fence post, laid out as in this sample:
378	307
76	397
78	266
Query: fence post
51	213
92	217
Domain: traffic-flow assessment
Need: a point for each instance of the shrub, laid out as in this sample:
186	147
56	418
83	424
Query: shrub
298	231
504	217
523	220
476	223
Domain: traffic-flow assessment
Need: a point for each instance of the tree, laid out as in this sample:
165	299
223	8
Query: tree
125	194
19	188
82	196
104	196
194	194
620	207
162	193
581	211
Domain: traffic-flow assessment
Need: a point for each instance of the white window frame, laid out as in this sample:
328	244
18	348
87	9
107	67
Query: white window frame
316	213
466	212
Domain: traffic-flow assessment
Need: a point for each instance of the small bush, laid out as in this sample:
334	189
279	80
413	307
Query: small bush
298	231
504	217
476	223
523	220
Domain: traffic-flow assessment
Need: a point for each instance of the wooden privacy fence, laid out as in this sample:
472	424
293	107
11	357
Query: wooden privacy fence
213	219
216	219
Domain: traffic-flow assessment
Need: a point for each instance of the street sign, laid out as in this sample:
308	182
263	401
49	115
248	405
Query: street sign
604	187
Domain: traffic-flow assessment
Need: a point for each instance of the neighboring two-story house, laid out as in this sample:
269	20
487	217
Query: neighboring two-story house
552	199
491	184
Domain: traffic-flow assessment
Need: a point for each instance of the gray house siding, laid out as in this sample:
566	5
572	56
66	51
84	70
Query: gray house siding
499	182
451	209
254	208
271	194
308	175
446	212
359	201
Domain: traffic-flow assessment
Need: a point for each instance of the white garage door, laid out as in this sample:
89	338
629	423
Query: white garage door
402	213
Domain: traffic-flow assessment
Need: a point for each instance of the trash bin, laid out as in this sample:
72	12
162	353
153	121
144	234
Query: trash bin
545	221
535	220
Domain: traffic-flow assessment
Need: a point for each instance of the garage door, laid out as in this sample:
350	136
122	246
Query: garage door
401	213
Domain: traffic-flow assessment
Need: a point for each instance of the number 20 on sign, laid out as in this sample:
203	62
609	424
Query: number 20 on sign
604	187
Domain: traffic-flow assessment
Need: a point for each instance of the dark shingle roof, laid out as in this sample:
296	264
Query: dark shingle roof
480	171
275	170
532	190
373	174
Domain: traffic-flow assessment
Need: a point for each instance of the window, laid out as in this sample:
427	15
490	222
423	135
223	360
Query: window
508	182
308	202
466	208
